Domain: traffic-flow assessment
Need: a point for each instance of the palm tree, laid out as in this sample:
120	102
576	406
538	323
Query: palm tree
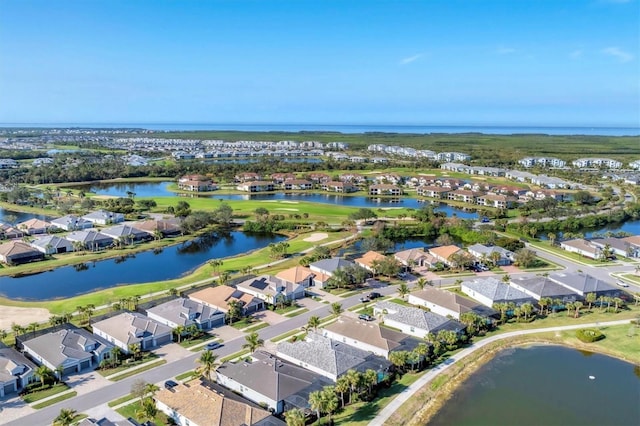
422	350
591	298
147	410
66	417
316	402
33	327
569	306
342	387
355	379
399	359
295	417
59	371
3	335
577	305
179	331
314	323
421	283
115	353
330	401
403	290
506	278
336	308
88	311
526	309
370	378
43	373
150	390
253	342
207	363
135	349
618	302
234	310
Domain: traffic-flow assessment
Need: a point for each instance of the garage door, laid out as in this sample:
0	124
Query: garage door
70	370
163	340
8	389
85	364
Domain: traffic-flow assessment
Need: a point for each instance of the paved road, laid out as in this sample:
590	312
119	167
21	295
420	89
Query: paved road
394	405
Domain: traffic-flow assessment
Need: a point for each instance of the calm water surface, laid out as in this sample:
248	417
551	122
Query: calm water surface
171	262
547	385
13	217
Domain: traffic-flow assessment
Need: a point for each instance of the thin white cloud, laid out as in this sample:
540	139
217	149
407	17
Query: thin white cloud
505	50
576	54
618	53
410	59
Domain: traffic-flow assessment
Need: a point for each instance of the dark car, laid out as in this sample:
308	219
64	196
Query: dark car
374	295
211	346
170	384
365	317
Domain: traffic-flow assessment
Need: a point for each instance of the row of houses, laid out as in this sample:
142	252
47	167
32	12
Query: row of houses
479	253
597	248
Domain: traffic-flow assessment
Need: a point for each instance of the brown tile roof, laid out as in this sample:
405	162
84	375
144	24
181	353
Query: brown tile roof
295	274
204	406
34	223
634	239
369	257
447	299
444	251
220	296
15	247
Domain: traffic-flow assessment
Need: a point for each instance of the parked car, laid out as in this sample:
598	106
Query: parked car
365	317
374	295
364	299
485	220
622	283
170	384
212	345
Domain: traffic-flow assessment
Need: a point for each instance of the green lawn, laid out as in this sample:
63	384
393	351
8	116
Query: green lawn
545	245
286	335
187	375
296	313
235	355
147	356
287	309
256	327
620	339
121	400
55	400
131	410
139	370
244	323
38	395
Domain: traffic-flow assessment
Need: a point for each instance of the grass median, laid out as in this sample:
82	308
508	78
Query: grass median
138	370
54	400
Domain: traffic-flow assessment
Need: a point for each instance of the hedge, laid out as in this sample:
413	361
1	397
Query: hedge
589	335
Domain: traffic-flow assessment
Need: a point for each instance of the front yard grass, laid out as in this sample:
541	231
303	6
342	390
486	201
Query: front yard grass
54	400
121	400
244	323
296	313
187	375
256	327
45	393
131	410
147	356
139	370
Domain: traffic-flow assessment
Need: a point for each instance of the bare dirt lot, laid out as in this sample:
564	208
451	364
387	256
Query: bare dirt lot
318	236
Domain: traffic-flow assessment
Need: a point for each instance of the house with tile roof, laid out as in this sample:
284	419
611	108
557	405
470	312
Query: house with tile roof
75	349
618	246
369	259
300	275
166	227
34	226
71	223
185	312
331	358
443	253
271	289
132	328
18	252
414	321
194	404
489	291
16	371
218	297
447	303
582	247
415	257
266	379
126	233
369	336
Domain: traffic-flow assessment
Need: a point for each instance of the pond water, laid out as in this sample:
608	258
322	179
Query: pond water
171	262
13	217
631	227
547	385
140	189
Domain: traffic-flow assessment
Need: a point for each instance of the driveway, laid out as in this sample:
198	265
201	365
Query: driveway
269	317
510	269
171	352
86	382
226	333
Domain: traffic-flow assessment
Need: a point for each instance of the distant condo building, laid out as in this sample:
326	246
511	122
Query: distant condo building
635	164
453	156
597	162
542	162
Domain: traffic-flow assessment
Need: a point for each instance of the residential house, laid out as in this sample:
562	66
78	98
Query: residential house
414	321
9	232
489	291
582	247
34	226
195	404
354	178
318	178
90	421
247	177
385	189
433	191
50	244
335	186
369	336
265	379
464	196
256	186
196	183
219	297
633	242
415	257
491	254
499	201
597	162
447	303
325	269
280	178
618	246
444	253
271	289
103	217
18	252
539	287
131	328
297	184
90	239
75	349
126	234
185	312
299	275
164	227
71	223
331	358
16	371
582	284
369	260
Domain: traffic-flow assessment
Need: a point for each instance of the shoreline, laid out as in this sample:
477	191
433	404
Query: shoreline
427	402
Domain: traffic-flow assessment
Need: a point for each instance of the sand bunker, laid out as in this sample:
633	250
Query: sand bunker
289	210
318	236
21	316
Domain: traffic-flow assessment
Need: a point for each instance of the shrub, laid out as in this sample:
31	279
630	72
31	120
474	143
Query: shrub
589	335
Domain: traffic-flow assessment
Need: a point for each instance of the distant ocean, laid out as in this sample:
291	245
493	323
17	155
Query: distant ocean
346	128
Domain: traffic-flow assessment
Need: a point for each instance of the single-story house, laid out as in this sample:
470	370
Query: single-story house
266	379
90	421
331	358
369	260
16	371
484	253
415	257
219	297
618	246
34	226
270	289
184	312
195	404
489	291
131	328
325	268
414	321
50	244
126	233
447	303
18	252
539	287
582	247
165	227
71	223
300	275
75	349
90	239
9	232
369	336
582	283
443	253
103	217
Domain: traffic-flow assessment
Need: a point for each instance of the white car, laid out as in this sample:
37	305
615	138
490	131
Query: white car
622	283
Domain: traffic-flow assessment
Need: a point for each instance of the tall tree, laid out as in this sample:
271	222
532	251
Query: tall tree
316	401
207	362
43	372
253	342
66	417
313	323
403	290
336	308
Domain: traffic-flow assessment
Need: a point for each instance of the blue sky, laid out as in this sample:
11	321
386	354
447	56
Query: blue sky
511	62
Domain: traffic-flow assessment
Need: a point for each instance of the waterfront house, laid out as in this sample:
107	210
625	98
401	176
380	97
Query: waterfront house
464	196
74	349
486	254
218	297
103	217
9	232
325	268
370	260
582	247
280	178
266	379
618	246
369	336
126	234
256	186
51	244
539	287
331	358
164	227
18	252
185	312
489	291
196	183
247	177
433	191
271	289
297	184
131	328
447	303
385	189
16	371
299	275
71	223
34	226
318	178
414	321
582	284
90	239
335	186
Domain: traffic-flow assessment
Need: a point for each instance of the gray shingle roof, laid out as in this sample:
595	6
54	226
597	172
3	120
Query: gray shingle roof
495	290
418	318
582	283
58	346
543	287
53	241
12	360
184	311
131	327
331	265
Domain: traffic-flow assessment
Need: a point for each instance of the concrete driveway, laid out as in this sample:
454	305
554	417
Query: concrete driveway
86	382
171	352
269	317
226	333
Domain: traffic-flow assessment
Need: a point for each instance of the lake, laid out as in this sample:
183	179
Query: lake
13	217
546	385
171	262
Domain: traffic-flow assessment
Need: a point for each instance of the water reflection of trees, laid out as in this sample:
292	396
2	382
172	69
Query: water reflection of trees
206	242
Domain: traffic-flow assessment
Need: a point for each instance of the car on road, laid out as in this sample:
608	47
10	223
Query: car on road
485	220
212	345
374	295
170	384
365	317
622	283
365	299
